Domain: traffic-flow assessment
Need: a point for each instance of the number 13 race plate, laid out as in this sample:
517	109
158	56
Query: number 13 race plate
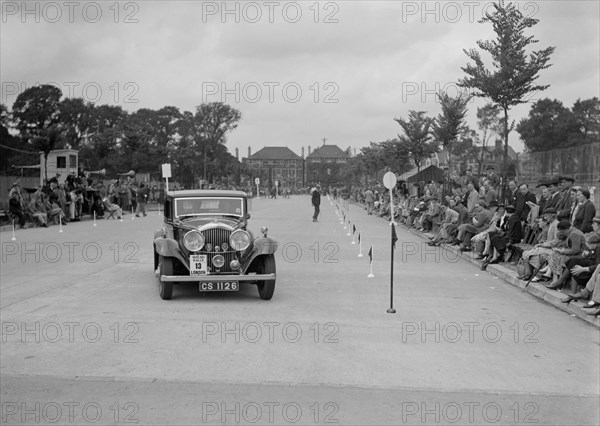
220	286
198	264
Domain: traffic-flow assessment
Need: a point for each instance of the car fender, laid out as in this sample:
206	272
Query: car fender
168	247
261	246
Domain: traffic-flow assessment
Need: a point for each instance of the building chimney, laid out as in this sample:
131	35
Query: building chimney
249	152
302	152
237	154
308	149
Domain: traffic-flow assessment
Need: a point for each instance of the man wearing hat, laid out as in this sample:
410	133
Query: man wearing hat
565	202
554	197
580	268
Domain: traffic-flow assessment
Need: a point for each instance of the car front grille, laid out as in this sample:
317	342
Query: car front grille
216	237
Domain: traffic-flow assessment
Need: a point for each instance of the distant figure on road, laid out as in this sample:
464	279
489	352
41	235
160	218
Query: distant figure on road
369	199
316	201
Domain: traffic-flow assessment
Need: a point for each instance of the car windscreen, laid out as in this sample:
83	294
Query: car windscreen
208	206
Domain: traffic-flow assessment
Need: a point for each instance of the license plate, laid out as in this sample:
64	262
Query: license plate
220	286
198	264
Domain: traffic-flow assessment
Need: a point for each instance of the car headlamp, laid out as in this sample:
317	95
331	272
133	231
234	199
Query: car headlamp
193	241
239	240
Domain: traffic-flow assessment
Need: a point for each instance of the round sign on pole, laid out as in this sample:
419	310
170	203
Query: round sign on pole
257	181
389	180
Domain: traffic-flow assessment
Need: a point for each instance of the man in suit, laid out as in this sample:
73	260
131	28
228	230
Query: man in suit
316	201
523	197
565	202
513	191
554	197
472	197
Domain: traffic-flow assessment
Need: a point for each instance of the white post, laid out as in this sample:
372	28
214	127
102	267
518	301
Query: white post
13	237
94	218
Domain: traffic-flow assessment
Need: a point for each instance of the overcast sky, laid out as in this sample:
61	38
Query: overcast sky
297	71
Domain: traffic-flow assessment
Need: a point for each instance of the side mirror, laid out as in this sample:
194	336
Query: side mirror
248	216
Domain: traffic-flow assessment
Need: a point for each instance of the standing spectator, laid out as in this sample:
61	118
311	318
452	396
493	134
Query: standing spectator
472	179
523	197
316	201
565	202
490	193
369	200
584	211
471	198
554	198
545	196
123	192
142	196
15	209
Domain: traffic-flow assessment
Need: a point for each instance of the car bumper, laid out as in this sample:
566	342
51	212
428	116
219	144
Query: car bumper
214	278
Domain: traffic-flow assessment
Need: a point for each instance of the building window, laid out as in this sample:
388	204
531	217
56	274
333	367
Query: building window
61	162
73	161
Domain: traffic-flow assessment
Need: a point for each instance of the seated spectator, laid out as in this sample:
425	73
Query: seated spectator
431	217
592	288
572	244
450	218
540	253
508	232
584	211
38	212
480	222
15	209
54	212
98	208
113	207
481	240
580	268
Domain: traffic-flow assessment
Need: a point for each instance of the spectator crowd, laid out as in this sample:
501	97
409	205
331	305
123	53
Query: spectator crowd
551	234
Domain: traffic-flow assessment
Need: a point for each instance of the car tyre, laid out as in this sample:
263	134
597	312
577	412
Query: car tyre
166	268
266	288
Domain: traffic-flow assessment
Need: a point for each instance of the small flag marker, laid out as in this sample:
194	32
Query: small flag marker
371	263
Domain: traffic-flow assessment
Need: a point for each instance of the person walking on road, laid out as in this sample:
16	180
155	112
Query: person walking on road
369	200
316	201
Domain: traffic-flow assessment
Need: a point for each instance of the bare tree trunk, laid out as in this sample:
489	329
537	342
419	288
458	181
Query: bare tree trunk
505	172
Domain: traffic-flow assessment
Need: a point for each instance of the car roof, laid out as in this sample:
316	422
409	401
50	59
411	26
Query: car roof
205	193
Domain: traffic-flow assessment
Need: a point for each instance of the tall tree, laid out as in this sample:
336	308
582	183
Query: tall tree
215	120
488	123
549	125
36	114
587	116
513	74
448	125
417	137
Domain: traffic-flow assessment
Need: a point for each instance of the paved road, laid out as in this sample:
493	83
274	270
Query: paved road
87	340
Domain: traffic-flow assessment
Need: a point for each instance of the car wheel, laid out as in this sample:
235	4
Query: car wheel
266	288
166	268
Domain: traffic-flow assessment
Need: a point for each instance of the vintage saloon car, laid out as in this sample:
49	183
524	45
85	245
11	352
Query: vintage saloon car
204	239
